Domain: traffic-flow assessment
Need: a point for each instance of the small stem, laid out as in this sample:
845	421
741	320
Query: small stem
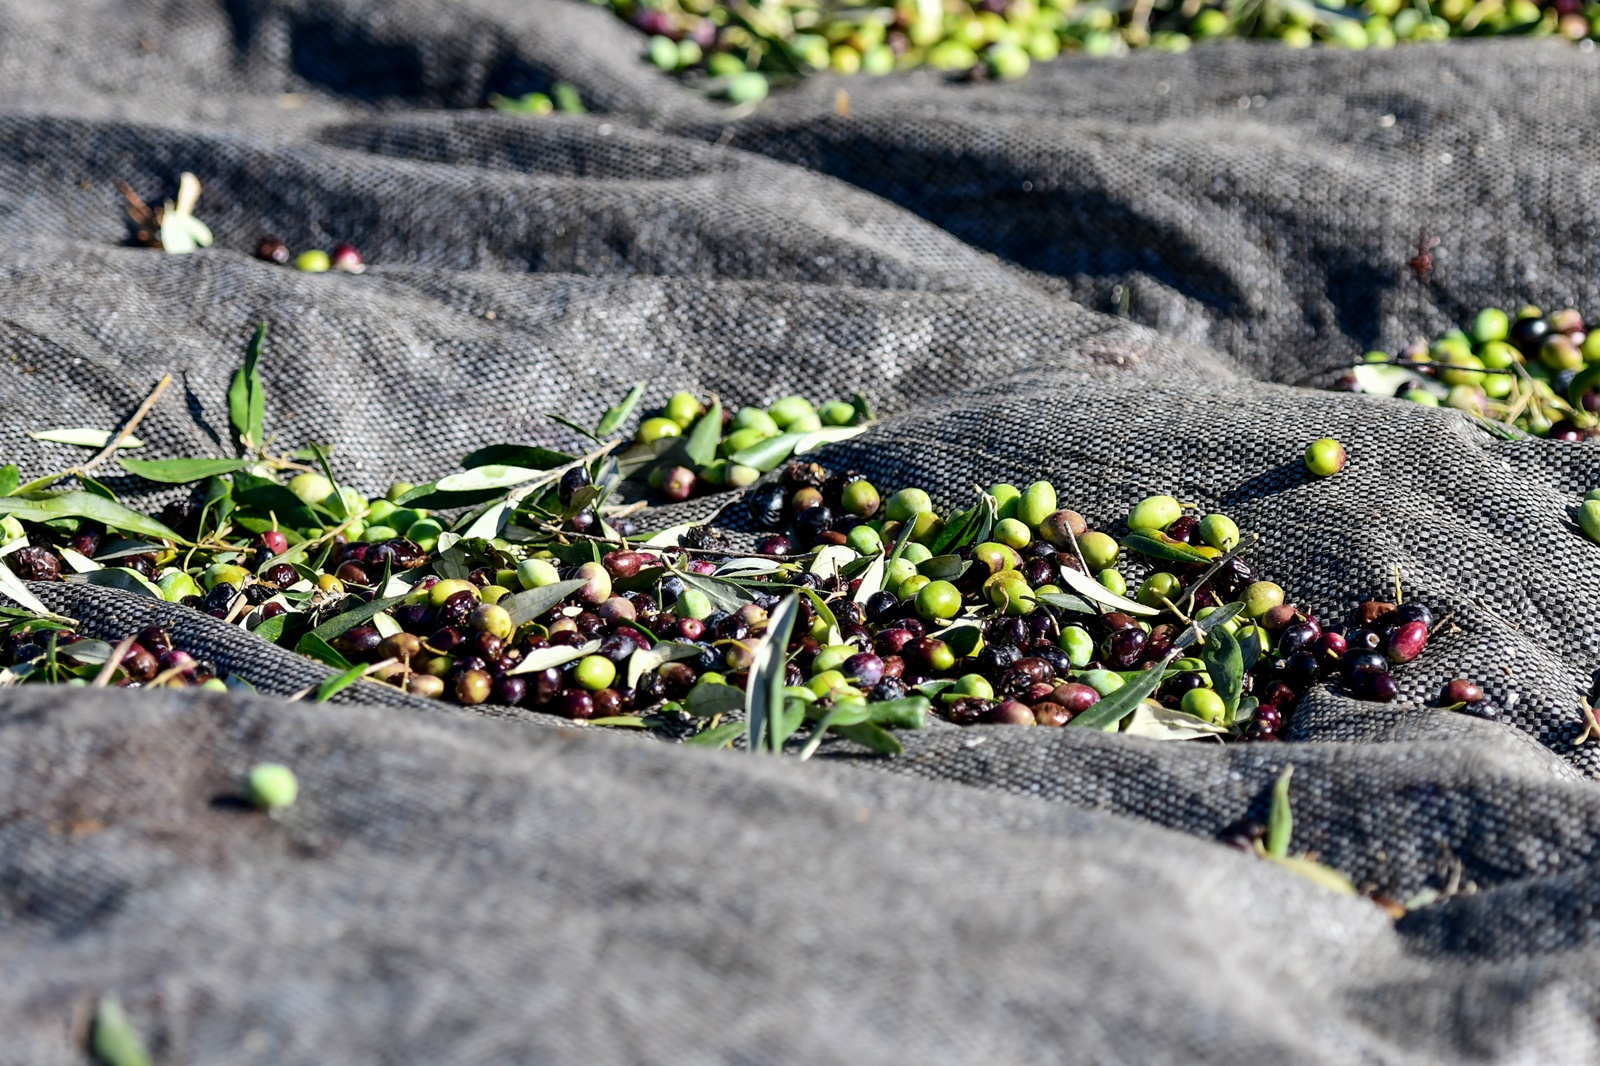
103	678
127	431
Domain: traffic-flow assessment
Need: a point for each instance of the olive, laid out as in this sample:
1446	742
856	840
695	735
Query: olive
272	250
1413	612
510	690
811	523
1011	712
1375	685
36	563
1325	457
1528	334
1406	642
473	687
1124	648
1459	690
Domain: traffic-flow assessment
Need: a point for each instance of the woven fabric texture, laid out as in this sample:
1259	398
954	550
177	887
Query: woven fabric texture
1114	275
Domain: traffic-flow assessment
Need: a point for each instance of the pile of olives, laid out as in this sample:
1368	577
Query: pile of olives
733	52
42	651
1536	373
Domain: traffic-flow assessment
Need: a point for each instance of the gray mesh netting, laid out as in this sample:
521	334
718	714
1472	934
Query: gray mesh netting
456	888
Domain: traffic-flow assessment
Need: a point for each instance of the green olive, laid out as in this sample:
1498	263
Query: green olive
595	672
1078	644
1205	704
1010	592
860	498
1219	531
1589	519
864	539
1038	503
1113	580
1159	588
789	410
832	657
996	557
938	601
1006	498
311	488
1100	551
1325	457
271	786
653	429
1155	512
1262	597
837	413
447	588
219	573
683	408
1013	533
176	586
906	504
973	685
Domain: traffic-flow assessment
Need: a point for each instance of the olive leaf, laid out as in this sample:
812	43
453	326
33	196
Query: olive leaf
524	607
908	712
336	684
555	655
816	438
182	234
80	563
266	496
181	471
943	567
1225	664
871	581
271	630
49	506
823	610
718	736
247	397
320	650
1152	720
1067	602
628	720
84	438
1156	545
829	558
345	621
764	699
1221	616
845	712
1109	710
669	537
960	530
709	699
1326	876
1280	819
118	577
701	443
10	478
767	454
724	595
525	455
114	1041
871	736
748	567
644	660
493	476
1089	587
95	488
617	415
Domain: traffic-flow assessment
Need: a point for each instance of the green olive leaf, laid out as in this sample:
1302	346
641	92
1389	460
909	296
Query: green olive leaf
1087	586
871	581
336	684
1326	876
1067	602
96	488
347	620
49	506
1109	710
84	438
247	396
617	415
709	699
114	1041
493	476
908	712
1221	616
764	700
943	567
1160	546
555	655
524	607
701	444
118	577
1150	719
626	720
871	736
766	455
315	647
718	736
1225	663
1280	819
271	630
10	479
816	438
181	471
724	595
182	234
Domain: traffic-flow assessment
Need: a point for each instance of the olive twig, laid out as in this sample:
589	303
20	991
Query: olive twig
127	430
103	678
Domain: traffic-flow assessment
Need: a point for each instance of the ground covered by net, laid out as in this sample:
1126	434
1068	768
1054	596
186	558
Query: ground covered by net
1112	275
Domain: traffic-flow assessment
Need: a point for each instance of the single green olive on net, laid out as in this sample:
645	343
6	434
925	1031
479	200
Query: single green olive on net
1325	457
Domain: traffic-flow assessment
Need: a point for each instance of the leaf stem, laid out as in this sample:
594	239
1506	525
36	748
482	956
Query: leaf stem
127	431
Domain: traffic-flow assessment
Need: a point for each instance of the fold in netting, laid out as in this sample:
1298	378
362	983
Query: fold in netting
1119	275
